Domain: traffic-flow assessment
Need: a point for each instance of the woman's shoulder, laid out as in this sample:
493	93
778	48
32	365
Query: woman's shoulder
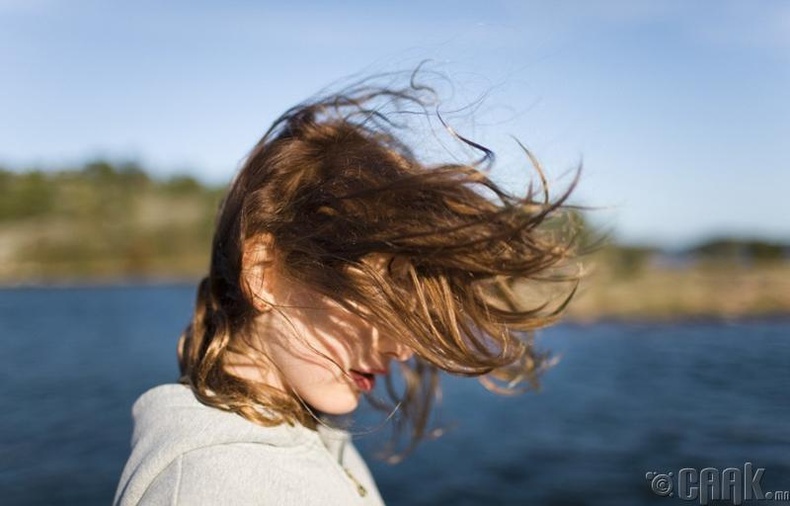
190	453
238	474
172	413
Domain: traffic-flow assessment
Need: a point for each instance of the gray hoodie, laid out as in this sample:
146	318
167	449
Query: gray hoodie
186	453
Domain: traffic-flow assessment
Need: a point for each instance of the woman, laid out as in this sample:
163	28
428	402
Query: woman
338	254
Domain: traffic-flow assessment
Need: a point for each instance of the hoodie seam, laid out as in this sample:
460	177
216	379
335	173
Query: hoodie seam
337	463
180	464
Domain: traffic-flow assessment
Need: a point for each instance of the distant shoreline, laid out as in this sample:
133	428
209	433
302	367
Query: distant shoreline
113	225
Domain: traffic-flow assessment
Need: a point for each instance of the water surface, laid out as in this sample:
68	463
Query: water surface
624	400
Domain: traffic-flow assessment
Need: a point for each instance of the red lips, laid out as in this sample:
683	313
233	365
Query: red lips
366	381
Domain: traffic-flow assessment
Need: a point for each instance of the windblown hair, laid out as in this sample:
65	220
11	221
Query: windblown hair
333	184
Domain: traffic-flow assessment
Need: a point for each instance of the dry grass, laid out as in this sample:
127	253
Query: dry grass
163	240
704	290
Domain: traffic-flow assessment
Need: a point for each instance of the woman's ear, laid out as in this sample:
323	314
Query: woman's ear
257	271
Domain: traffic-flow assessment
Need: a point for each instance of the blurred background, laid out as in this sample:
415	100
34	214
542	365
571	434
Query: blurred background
122	123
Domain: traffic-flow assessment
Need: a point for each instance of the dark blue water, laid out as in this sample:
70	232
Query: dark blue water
624	400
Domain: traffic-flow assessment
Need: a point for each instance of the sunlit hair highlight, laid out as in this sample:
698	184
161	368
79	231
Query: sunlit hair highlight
334	186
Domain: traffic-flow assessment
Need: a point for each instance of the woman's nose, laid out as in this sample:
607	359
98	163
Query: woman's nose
395	349
403	352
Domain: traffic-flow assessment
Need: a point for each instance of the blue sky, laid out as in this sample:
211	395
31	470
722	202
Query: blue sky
678	110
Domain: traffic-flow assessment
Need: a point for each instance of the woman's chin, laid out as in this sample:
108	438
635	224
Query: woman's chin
336	407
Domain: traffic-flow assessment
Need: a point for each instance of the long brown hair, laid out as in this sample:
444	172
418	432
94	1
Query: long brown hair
332	184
